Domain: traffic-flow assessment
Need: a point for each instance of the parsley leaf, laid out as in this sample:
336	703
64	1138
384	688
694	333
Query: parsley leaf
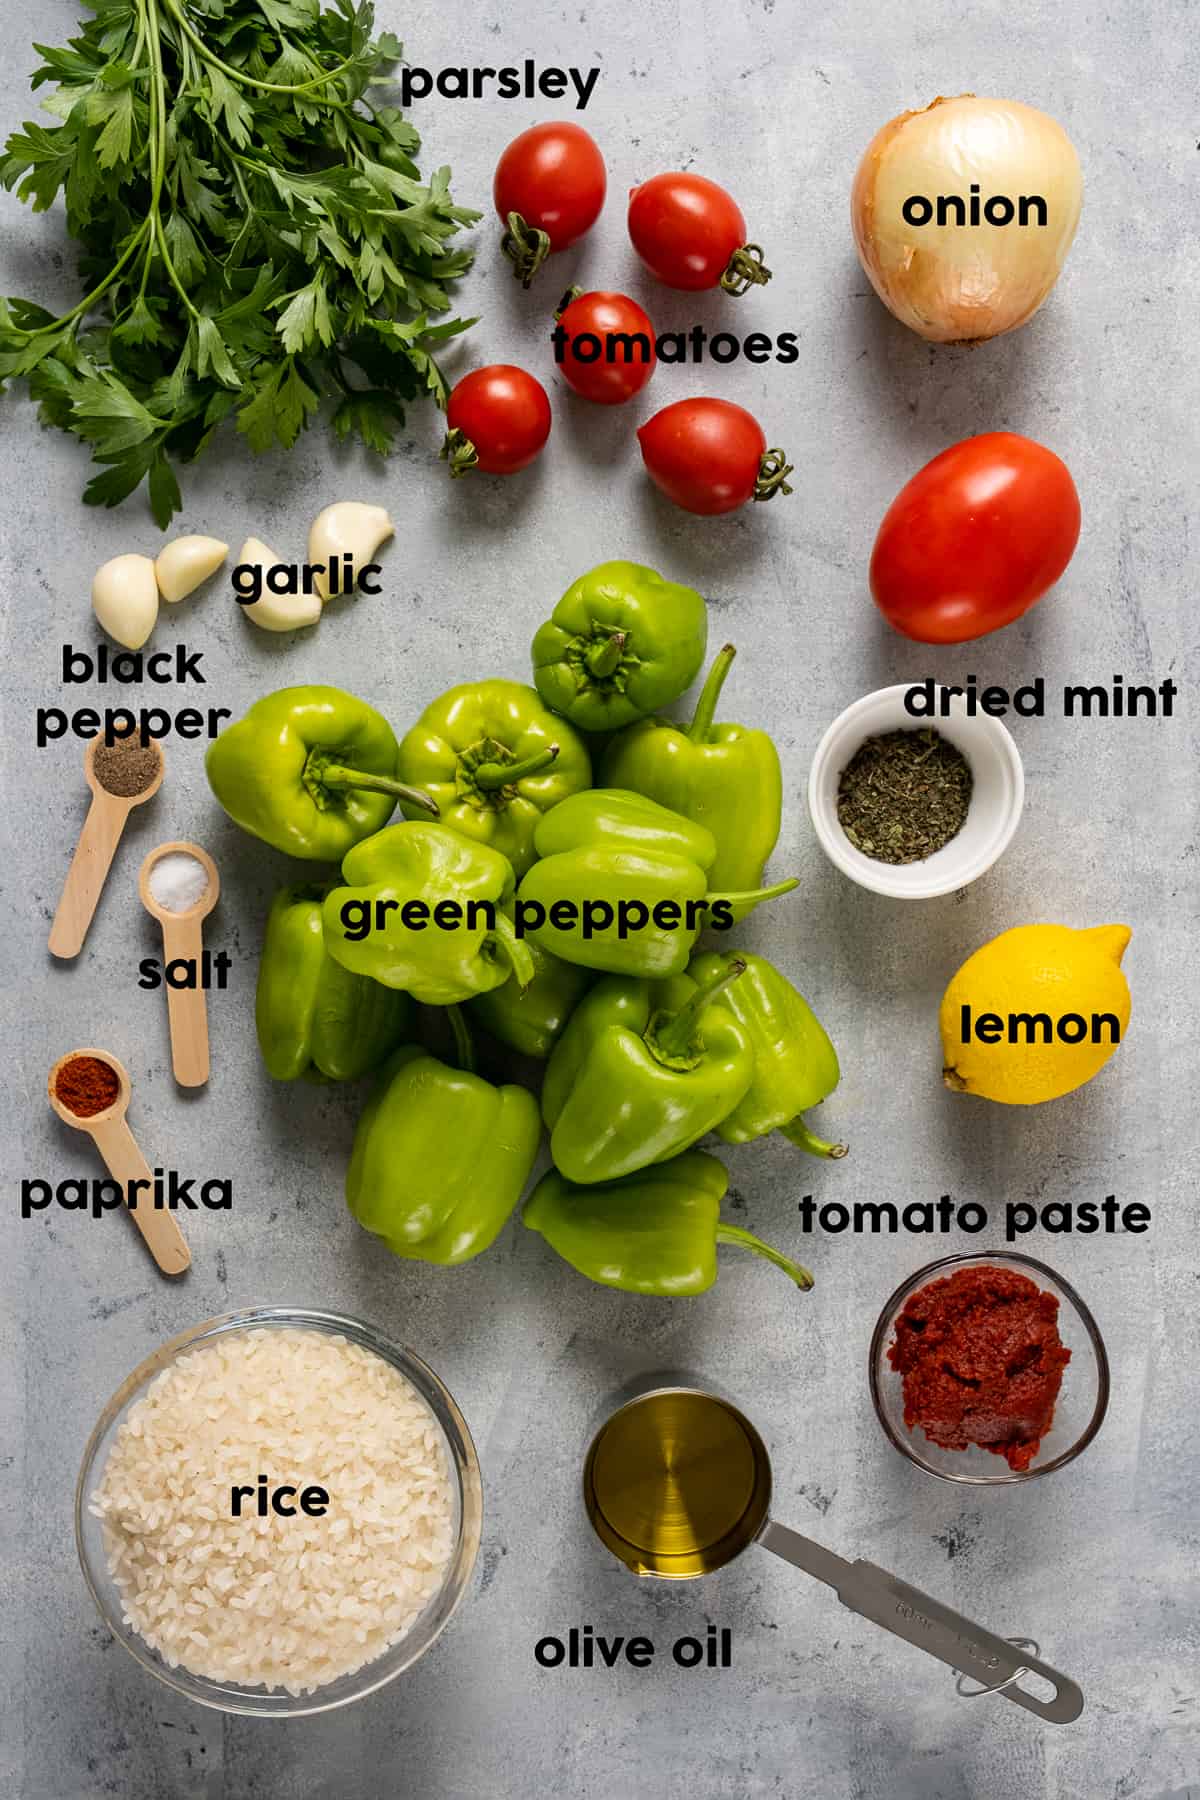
256	237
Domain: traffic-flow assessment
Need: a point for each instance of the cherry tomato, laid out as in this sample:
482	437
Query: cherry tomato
975	538
499	420
710	456
605	344
549	188
691	234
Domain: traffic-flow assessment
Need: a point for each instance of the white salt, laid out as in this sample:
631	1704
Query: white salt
178	881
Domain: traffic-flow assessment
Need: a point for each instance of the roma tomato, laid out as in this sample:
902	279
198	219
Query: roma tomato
499	420
975	538
691	234
605	346
549	187
710	456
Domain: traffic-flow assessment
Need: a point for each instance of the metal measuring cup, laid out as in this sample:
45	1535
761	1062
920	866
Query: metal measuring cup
677	1482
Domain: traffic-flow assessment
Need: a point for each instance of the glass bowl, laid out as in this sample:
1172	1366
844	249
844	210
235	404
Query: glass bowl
466	1493
1082	1399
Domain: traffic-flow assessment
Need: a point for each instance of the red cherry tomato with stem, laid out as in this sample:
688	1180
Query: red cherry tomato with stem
549	187
691	234
975	538
499	420
605	346
710	456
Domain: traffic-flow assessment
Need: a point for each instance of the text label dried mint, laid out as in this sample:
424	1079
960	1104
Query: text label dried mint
255	236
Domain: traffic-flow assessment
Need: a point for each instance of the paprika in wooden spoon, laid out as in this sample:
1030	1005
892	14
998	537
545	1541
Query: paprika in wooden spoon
89	1090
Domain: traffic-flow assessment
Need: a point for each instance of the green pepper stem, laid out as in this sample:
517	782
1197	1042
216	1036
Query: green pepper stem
797	1132
492	775
756	896
337	776
710	693
733	1234
603	659
673	1033
464	1048
518	953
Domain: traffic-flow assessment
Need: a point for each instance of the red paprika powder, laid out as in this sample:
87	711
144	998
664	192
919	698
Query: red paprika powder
86	1086
981	1362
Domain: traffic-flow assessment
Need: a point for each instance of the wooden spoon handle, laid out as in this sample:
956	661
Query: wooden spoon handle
187	1009
85	878
125	1162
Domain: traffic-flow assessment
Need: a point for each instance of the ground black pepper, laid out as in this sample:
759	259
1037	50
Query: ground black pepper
127	766
903	795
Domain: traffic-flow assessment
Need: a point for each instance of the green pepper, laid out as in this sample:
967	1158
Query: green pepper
630	871
655	1232
440	1157
314	1017
494	758
533	1020
385	921
310	770
723	776
795	1065
621	642
643	1070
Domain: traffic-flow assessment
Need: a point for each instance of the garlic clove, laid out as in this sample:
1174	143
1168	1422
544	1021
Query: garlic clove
185	562
276	612
348	527
125	599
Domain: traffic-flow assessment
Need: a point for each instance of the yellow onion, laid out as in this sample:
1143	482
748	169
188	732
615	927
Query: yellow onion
955	283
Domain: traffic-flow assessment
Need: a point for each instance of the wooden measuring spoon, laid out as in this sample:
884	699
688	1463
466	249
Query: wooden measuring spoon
94	852
125	1162
187	1009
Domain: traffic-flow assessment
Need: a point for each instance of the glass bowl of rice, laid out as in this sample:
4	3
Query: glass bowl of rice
292	1611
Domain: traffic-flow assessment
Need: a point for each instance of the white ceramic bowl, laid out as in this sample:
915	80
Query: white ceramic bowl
996	799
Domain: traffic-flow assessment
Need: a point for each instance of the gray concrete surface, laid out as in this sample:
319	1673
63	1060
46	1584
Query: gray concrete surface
1099	1561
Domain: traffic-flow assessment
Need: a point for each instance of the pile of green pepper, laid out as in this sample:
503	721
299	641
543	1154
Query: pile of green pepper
559	917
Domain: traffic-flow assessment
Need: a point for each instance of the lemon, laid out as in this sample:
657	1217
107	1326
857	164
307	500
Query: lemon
1055	1003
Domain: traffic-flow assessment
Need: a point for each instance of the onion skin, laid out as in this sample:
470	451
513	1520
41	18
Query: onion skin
963	283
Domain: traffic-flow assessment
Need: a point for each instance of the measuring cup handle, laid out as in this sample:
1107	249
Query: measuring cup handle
957	1641
86	877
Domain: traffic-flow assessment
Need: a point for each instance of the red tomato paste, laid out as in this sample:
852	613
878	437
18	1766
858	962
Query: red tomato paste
981	1362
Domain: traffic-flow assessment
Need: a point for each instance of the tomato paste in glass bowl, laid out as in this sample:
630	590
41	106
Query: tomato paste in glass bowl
988	1369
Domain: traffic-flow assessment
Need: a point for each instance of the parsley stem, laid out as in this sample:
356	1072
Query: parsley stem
158	150
239	75
89	300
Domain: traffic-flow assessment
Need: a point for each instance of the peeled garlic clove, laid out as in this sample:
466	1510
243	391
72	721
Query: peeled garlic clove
347	528
125	599
276	612
185	562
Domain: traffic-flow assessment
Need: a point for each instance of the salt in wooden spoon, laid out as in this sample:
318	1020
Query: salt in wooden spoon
96	847
187	1009
125	1162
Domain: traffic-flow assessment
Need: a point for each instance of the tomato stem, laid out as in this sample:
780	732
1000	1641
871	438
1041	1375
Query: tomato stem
773	472
745	270
525	246
573	293
461	454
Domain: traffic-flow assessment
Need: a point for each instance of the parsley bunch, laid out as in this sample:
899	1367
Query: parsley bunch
255	234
